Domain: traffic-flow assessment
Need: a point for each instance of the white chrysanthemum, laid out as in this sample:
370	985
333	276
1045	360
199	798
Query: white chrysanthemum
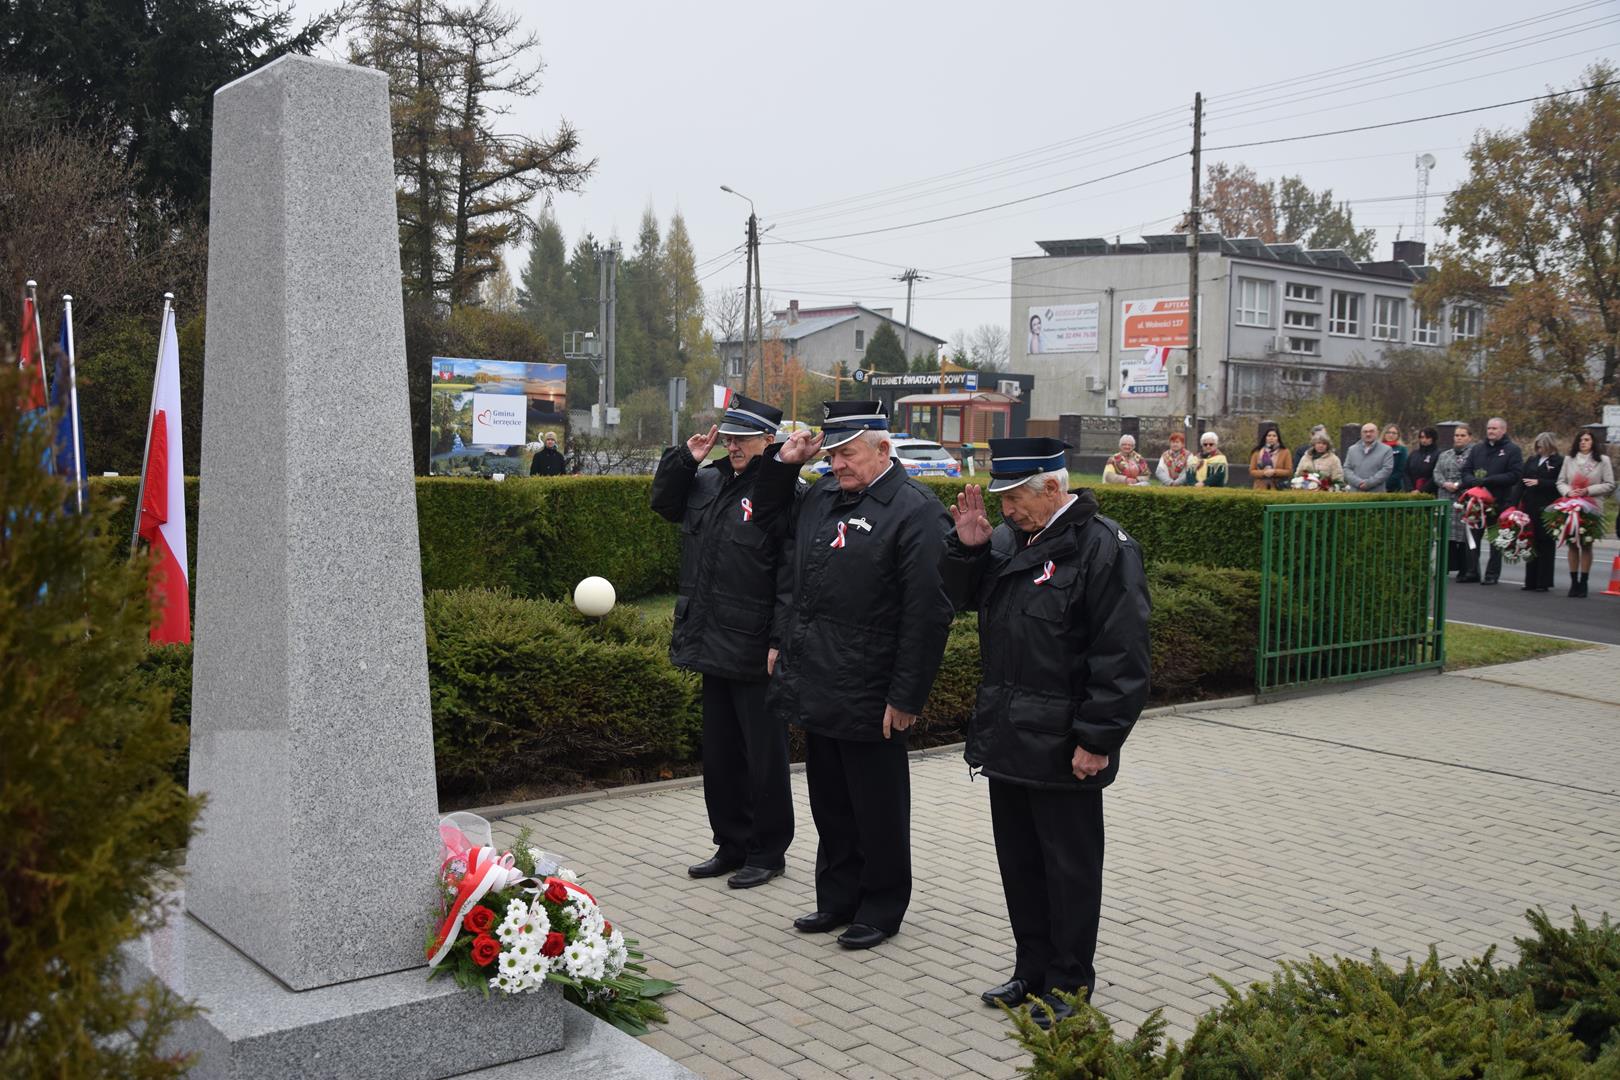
539	923
538	966
503	982
509	963
579	960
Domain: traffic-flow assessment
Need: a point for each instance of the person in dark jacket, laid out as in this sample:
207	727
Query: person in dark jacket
1494	465
1421	461
1397	476
863	643
1538	487
731	579
1063	641
548	460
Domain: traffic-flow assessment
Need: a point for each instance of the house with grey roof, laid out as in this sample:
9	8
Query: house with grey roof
820	338
1275	321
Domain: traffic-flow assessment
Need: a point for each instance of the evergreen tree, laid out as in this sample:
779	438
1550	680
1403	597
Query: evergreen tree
545	295
685	300
646	327
884	352
90	810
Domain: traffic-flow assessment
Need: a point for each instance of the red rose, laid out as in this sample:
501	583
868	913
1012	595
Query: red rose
554	945
557	892
479	919
485	948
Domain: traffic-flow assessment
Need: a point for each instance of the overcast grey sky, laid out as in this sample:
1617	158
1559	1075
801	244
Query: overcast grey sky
841	118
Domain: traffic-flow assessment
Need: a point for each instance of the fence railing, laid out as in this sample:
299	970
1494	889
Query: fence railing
1351	591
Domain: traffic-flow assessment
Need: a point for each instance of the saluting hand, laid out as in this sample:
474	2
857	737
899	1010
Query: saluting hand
972	524
700	444
800	447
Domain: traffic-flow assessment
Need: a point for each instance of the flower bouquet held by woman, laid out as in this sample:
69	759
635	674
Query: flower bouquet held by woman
517	920
1574	520
1514	536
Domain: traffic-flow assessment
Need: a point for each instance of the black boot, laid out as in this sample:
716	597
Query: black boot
1580	586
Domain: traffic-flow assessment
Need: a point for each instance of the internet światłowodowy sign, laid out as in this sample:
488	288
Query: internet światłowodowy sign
498	419
1061	328
1145	373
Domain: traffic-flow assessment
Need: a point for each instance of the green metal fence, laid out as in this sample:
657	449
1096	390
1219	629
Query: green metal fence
1351	590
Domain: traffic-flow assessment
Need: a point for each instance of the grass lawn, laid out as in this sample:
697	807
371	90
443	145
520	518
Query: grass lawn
656	606
1478	646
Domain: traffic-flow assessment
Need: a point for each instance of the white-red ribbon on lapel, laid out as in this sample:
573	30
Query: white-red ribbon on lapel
748	509
838	541
1046	572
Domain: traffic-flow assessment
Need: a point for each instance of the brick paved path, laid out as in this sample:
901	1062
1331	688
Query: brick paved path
1429	809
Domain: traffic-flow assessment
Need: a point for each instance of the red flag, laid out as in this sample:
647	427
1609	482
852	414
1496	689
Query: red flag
29	359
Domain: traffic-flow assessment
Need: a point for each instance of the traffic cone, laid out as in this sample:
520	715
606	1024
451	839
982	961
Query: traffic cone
1614	579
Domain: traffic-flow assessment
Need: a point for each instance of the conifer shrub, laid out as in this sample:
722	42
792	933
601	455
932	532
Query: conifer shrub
527	690
90	811
1549	1015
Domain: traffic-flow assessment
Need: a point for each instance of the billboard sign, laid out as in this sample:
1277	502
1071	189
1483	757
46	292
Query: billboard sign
1160	323
485	414
1145	374
1062	328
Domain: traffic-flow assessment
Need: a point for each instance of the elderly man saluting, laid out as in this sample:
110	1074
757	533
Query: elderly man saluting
864	641
730	574
1063	643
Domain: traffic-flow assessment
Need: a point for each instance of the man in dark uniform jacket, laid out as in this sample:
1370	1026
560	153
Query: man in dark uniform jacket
1501	461
863	643
730	576
1063	643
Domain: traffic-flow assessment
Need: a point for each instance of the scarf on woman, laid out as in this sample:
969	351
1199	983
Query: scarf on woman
1129	465
1175	462
1265	457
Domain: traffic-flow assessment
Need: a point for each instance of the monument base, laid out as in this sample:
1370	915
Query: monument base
398	1026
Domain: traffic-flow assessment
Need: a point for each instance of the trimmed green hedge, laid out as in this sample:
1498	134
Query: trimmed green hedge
1553	1014
538	536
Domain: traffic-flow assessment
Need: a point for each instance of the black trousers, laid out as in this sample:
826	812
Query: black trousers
745	773
860	797
1538	572
1493	556
1050	847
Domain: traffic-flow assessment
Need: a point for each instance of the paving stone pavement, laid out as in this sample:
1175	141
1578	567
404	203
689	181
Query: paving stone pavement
1428	809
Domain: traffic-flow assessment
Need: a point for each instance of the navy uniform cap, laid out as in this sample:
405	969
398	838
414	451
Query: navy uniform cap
1018	461
745	416
845	420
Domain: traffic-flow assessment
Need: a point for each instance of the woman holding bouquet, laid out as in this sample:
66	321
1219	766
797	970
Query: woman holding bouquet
1539	488
1321	463
1586	474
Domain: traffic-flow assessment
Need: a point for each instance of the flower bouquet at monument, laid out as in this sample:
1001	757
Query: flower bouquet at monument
1514	535
1574	519
1315	481
514	921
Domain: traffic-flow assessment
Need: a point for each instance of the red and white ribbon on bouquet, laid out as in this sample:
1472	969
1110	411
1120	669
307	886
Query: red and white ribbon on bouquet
483	870
1572	507
1477	502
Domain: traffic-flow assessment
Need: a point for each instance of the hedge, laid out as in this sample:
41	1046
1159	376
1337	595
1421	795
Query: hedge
1553	1014
538	536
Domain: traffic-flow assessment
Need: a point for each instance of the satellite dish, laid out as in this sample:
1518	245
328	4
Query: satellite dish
1426	161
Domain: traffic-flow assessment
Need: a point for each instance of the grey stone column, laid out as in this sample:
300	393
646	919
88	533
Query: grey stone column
311	733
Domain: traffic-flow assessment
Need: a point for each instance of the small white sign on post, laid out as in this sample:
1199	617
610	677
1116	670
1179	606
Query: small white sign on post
1611	420
499	419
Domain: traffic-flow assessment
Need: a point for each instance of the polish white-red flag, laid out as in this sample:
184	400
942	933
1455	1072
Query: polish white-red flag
163	499
31	359
723	396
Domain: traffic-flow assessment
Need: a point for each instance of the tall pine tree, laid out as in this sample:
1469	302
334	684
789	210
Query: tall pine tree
544	294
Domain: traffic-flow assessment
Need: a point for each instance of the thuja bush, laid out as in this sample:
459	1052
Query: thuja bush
90	811
1550	1015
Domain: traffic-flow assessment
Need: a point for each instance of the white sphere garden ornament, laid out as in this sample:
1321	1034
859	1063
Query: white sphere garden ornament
594	596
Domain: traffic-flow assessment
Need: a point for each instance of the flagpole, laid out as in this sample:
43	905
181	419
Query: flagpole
73	403
44	383
151	411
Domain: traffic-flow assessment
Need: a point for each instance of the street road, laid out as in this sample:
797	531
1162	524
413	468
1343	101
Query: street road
1597	618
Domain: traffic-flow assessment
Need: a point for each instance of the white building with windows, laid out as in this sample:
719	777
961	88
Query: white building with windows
820	338
1275	320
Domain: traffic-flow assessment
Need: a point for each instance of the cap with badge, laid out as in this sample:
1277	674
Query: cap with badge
745	416
1018	461
846	420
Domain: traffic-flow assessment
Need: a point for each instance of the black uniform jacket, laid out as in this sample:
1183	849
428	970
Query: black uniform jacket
1534	500
1063	644
731	572
869	617
1502	463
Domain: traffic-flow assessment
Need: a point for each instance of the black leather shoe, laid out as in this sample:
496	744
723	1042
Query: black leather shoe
861	936
1061	1010
714	867
1489	581
750	876
1010	993
819	922
1468	579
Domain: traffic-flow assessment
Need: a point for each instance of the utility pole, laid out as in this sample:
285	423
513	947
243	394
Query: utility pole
601	337
1194	228
748	310
910	277
759	296
612	326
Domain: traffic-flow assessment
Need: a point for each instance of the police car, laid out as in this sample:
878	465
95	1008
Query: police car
917	456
